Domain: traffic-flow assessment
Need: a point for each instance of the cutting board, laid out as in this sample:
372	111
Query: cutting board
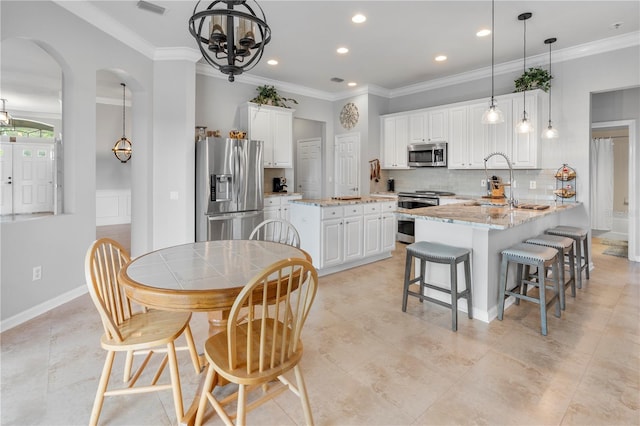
533	206
347	197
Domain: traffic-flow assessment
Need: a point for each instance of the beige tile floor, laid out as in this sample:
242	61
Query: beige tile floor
368	363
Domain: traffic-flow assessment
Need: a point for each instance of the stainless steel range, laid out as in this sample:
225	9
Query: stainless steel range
415	200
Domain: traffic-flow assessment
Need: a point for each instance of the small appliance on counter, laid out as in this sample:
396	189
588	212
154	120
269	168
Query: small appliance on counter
279	184
391	185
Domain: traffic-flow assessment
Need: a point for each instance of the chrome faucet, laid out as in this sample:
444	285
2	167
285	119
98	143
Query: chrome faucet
512	202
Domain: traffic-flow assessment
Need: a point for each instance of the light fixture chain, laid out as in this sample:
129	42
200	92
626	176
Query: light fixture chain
492	45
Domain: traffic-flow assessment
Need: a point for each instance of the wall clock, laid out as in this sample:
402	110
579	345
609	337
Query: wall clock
349	116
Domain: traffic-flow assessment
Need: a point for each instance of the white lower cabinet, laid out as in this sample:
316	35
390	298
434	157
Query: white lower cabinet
277	206
340	237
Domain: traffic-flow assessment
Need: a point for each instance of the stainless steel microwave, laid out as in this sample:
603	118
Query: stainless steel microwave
427	154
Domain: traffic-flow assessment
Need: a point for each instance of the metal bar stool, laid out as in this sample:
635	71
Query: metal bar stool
439	253
564	245
579	236
541	257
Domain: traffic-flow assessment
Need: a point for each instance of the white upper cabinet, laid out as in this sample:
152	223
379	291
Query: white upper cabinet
428	126
525	149
470	141
274	126
394	142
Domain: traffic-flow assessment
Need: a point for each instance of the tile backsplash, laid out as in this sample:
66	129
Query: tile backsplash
467	182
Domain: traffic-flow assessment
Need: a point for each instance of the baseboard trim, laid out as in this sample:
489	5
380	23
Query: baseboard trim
42	308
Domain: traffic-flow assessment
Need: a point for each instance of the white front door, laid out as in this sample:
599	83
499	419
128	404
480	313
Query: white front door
6	174
309	167
33	178
347	164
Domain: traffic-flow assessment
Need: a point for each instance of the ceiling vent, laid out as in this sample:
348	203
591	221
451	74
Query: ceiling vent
337	79
145	5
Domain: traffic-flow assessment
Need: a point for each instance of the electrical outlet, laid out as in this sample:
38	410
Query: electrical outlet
37	273
483	183
532	184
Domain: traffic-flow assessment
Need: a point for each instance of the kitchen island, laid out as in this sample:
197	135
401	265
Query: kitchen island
343	233
486	229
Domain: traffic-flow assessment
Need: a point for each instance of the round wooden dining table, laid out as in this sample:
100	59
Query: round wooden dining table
202	276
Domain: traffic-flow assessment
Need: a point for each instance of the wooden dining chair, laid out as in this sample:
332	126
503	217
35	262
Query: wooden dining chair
277	230
136	332
262	340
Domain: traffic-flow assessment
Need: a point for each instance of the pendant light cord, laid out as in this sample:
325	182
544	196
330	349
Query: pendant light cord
492	46
550	84
123	104
524	70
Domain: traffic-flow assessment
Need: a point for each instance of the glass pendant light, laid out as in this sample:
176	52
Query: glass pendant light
524	125
492	115
550	132
122	148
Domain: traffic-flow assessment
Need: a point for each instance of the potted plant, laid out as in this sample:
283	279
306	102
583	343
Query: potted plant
534	78
268	95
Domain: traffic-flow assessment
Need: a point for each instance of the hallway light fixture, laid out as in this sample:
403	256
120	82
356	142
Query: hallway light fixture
230	39
550	132
524	125
5	118
122	148
492	115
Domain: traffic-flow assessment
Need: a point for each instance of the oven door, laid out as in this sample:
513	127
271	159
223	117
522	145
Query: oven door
406	226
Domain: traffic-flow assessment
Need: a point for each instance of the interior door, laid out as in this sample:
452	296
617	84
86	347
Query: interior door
347	165
309	164
6	174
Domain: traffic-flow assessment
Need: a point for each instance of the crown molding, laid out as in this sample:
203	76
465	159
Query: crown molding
177	54
561	55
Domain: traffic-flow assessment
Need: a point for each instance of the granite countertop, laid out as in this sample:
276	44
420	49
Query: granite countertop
330	202
280	194
486	216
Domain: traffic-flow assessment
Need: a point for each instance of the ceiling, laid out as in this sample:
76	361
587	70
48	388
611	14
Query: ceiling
392	50
397	44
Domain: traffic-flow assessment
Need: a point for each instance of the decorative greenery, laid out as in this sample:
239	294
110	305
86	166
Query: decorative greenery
268	95
534	78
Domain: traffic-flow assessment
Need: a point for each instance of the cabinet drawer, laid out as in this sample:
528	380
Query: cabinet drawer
388	207
271	201
372	208
331	212
353	210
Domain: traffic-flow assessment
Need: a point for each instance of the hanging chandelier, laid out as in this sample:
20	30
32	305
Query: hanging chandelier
524	125
492	115
122	148
231	37
550	132
5	118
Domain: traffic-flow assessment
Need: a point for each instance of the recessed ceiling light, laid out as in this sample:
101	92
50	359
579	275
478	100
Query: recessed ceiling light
352	83
441	58
359	18
483	32
272	62
342	50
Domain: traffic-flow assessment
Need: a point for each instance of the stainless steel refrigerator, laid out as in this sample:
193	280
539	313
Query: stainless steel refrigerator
229	188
